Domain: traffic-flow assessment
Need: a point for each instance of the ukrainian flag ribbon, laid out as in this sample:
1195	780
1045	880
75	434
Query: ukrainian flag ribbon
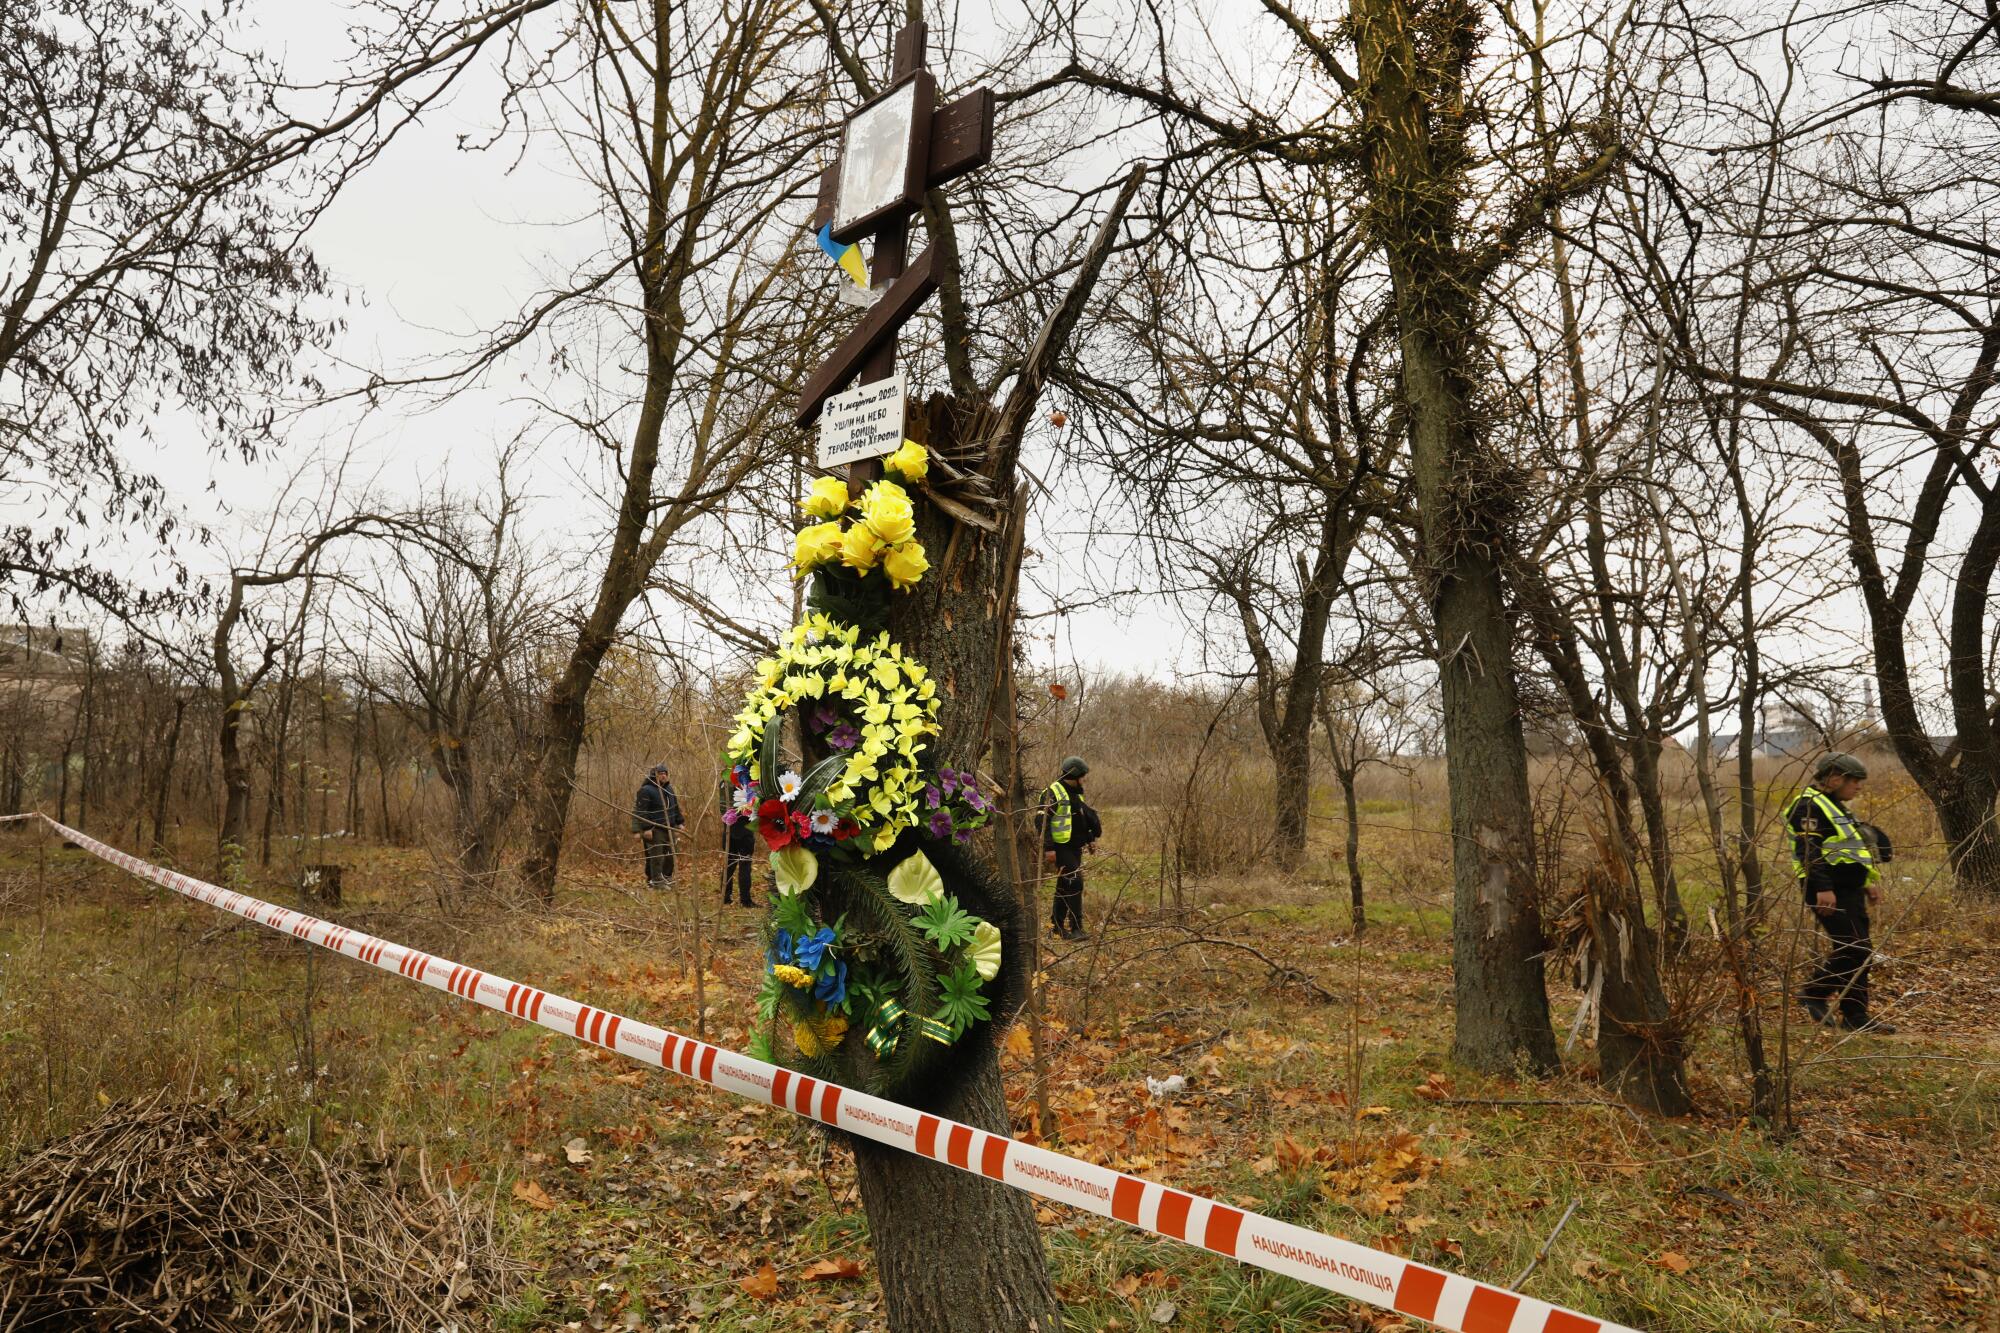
847	256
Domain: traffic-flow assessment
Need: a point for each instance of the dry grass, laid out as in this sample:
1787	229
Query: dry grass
1879	1214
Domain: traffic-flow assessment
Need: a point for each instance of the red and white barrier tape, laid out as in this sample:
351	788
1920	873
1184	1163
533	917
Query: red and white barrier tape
1387	1281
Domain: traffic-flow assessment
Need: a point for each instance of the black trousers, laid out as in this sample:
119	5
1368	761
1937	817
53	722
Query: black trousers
1069	897
1844	970
660	855
736	865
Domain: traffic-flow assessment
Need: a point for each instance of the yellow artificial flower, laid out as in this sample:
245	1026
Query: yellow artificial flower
827	499
818	1036
816	546
792	976
910	462
984	951
860	548
886	511
885	837
905	565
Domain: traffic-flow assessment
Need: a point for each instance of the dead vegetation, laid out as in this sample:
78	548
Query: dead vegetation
166	1214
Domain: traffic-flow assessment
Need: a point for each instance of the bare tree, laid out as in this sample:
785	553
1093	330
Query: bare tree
284	557
154	186
458	615
687	120
1876	339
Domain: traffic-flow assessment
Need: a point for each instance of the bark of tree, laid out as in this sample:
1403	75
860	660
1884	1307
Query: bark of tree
1346	769
1414	164
171	752
959	1253
1641	1050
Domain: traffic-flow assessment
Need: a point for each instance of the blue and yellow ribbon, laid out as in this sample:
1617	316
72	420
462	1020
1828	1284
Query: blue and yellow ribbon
847	256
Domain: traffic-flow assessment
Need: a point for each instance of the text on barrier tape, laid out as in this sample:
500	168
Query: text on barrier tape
1448	1300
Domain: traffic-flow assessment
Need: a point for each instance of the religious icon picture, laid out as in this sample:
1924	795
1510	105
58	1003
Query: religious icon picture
884	156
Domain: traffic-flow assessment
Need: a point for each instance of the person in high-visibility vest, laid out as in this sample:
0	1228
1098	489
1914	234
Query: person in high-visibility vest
1069	827
1835	862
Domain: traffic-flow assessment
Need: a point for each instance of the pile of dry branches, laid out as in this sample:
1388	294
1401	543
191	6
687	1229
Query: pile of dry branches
165	1215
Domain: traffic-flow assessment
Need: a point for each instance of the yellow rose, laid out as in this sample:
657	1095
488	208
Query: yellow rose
886	510
910	462
905	564
827	499
860	548
815	546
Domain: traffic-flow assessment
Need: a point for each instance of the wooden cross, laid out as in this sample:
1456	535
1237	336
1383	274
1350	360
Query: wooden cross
899	144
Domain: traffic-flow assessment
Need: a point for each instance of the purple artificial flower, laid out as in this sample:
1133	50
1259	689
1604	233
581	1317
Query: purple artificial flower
844	737
948	779
963	835
976	801
933	797
824	717
941	824
731	816
968	781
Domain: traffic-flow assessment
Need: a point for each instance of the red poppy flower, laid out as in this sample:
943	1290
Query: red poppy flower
845	829
773	821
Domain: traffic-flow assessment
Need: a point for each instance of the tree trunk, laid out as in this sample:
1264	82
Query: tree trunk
274	795
1502	1003
167	760
1416	184
1357	912
1639	1052
562	740
1346	769
958	1253
1292	764
1647	786
1965	817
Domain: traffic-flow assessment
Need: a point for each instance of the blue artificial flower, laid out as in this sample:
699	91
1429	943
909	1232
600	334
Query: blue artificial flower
781	948
808	950
832	984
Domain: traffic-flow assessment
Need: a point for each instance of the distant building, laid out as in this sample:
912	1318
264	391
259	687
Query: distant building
44	662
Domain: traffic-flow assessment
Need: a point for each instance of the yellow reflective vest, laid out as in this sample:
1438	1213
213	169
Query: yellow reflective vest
1061	814
1844	845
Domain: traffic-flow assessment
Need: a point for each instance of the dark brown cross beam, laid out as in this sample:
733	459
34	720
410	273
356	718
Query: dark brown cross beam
959	140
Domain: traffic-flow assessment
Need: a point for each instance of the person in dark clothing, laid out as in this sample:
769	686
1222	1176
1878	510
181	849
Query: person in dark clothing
1069	829
656	813
739	845
1835	861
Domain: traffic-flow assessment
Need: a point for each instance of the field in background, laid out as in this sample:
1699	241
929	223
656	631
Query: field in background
1319	1091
